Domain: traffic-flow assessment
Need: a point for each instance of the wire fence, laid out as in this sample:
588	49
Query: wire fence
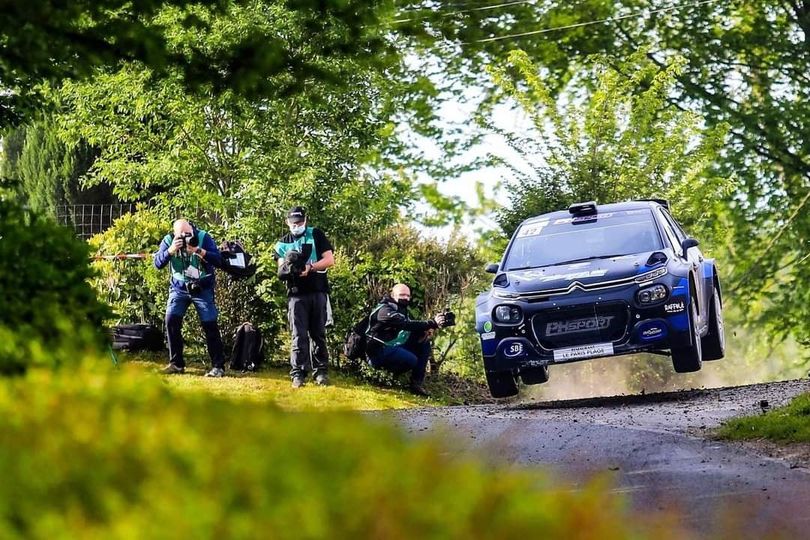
90	219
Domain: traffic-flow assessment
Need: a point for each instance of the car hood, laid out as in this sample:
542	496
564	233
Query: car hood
585	273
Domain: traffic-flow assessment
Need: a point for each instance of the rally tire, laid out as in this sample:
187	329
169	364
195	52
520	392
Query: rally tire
714	344
690	358
534	375
502	384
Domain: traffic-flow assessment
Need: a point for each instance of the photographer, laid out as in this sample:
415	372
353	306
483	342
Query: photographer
398	344
303	257
191	255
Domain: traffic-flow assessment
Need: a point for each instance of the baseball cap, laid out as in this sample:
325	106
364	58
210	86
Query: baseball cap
296	214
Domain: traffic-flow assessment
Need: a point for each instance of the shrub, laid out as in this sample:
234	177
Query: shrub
47	301
99	456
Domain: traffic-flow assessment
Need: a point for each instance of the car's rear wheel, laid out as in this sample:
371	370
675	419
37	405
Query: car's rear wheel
502	384
534	375
714	344
689	358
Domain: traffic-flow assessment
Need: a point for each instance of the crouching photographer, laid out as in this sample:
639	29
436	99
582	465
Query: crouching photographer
399	344
191	255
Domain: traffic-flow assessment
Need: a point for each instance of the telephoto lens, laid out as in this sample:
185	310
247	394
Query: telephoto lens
449	318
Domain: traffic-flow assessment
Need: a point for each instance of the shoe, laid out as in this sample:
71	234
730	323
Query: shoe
216	372
322	380
172	369
418	389
297	382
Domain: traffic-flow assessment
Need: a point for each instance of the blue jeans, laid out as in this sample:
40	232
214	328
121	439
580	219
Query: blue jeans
412	356
176	308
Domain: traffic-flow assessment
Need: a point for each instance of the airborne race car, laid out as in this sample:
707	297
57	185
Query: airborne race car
598	281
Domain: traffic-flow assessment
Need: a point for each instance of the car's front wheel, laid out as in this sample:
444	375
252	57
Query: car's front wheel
502	384
534	375
689	358
714	344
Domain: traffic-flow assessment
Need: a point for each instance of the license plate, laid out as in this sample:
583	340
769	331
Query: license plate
583	351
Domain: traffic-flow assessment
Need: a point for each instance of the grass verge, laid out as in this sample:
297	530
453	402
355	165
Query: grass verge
348	391
788	424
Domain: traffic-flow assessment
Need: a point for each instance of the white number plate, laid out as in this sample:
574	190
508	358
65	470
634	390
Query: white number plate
583	351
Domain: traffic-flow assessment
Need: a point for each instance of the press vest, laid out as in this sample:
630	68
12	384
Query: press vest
297	245
179	264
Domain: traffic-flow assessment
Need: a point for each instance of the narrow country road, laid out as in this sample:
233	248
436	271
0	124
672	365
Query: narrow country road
653	448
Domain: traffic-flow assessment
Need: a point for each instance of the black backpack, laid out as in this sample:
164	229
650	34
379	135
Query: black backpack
356	341
248	348
137	337
236	262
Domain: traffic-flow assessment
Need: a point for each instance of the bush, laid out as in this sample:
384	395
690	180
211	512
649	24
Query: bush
47	301
98	456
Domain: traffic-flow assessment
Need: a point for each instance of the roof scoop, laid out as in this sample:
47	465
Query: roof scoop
583	208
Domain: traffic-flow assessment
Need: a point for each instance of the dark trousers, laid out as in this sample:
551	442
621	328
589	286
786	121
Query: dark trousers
176	308
412	356
307	316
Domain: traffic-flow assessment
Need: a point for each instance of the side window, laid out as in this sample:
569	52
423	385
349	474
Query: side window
670	233
674	224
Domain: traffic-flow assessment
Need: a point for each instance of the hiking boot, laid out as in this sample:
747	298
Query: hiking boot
418	389
172	369
297	382
216	372
322	380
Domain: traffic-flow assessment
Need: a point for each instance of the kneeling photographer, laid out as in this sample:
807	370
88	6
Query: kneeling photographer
398	344
191	255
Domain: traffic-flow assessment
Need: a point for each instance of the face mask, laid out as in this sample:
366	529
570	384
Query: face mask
297	230
403	302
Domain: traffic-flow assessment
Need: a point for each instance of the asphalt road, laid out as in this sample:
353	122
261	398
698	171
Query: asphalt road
653	449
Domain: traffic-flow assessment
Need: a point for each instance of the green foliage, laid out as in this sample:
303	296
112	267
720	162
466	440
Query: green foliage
47	303
100	456
790	423
620	141
47	172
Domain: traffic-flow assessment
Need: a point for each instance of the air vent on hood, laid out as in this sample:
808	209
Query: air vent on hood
501	280
656	258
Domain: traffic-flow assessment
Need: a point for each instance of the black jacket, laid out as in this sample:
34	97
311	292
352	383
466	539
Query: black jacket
386	323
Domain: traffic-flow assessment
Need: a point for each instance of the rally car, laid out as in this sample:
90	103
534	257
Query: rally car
596	281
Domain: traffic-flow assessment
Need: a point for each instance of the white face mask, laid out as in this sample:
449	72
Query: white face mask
298	230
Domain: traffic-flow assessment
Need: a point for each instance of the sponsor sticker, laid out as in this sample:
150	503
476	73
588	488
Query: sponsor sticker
488	335
675	307
575	326
514	349
583	351
488	326
532	229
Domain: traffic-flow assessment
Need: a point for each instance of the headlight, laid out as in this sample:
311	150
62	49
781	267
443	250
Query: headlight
649	276
650	295
508	314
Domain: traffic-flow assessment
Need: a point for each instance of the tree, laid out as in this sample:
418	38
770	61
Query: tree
620	141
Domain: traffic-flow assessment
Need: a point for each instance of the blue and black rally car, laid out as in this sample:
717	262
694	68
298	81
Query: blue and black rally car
593	281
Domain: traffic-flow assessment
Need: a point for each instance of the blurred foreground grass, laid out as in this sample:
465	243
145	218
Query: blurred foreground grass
119	454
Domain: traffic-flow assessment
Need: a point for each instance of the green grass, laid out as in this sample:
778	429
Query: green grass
272	385
788	424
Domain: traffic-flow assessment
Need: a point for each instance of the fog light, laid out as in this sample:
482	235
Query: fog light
650	295
508	314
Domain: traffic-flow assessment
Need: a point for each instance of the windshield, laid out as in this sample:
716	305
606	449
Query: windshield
563	240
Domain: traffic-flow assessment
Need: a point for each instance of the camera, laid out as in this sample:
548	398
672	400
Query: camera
449	318
188	238
296	262
194	288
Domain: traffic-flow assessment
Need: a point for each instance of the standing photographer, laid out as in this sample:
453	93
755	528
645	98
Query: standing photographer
398	344
192	255
303	257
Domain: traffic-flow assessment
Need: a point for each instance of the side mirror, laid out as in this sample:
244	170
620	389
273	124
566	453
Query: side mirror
491	268
688	243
